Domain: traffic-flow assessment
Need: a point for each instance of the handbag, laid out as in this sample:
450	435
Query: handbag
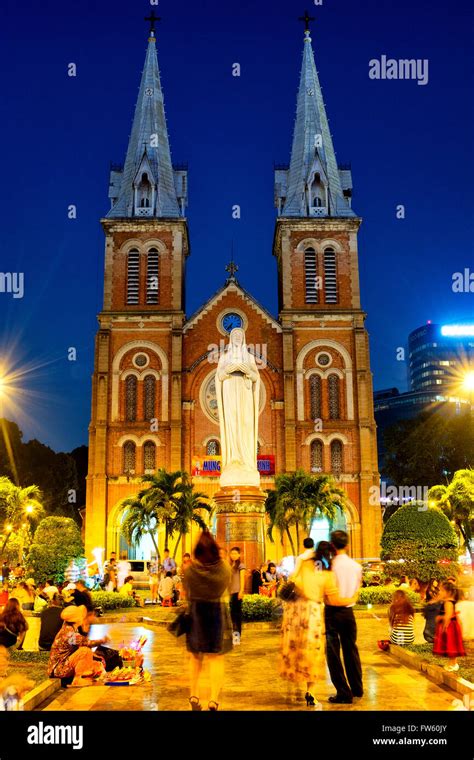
181	624
288	592
109	656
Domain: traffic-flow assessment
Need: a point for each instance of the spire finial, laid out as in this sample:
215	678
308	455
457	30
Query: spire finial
152	19
231	267
306	18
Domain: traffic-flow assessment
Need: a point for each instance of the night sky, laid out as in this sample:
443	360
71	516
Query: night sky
408	144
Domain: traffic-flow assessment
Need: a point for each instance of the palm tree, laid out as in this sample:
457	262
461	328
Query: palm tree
188	510
299	499
164	492
142	519
18	505
457	502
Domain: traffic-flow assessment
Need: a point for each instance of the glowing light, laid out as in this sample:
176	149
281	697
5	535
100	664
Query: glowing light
457	330
9	528
30	508
468	382
369	606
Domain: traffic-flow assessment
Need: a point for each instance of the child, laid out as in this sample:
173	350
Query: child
448	636
401	616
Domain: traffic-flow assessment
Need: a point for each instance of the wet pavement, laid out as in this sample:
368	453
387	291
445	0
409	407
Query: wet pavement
252	680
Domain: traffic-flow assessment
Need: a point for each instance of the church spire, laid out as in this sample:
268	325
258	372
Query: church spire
148	186
313	185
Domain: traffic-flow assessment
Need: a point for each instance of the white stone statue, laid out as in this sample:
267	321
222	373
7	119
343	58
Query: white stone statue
238	394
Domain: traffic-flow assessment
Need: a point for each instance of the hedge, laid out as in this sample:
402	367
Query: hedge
111	600
256	607
383	595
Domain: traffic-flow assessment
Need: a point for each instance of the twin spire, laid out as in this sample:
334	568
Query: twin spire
149	186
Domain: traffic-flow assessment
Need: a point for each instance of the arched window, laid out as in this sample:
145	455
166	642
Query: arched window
149	456
129	456
336	458
152	276
333	390
330	276
316	454
311	276
317	202
149	400
133	276
315	397
144	191
213	448
131	398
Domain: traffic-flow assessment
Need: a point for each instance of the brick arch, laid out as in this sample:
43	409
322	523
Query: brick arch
300	373
140	344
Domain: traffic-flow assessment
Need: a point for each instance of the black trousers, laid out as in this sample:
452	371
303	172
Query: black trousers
341	631
236	612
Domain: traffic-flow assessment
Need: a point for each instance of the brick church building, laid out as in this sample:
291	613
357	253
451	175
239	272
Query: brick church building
153	394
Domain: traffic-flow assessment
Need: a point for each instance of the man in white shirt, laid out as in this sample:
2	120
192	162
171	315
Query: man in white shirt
341	628
50	589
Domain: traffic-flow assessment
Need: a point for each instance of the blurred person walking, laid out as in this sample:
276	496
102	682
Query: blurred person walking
341	628
302	648
206	582
236	591
448	636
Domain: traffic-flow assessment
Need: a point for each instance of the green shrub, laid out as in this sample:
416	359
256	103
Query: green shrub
110	600
22	655
57	540
420	542
256	607
383	595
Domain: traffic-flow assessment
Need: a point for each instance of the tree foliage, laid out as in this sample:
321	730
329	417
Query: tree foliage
298	500
457	502
426	450
420	542
57	541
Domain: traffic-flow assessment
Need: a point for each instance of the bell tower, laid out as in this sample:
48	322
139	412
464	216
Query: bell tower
328	407
136	386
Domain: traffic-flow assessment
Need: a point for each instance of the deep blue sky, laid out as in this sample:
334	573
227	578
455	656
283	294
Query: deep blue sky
408	144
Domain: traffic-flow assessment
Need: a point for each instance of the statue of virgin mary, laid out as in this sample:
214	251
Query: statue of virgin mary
238	394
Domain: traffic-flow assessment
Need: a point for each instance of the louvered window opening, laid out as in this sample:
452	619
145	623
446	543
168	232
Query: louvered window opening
131	398
330	276
336	458
133	277
152	277
311	274
150	396
129	453
315	396
334	405
316	456
149	456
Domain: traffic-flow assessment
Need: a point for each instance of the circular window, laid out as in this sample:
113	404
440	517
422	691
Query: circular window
323	359
141	360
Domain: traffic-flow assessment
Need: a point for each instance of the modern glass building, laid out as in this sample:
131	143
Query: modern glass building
439	356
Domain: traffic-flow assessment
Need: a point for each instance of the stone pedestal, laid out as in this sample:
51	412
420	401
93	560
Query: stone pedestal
241	522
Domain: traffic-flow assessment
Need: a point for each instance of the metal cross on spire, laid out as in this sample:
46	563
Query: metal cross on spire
232	268
306	18
152	19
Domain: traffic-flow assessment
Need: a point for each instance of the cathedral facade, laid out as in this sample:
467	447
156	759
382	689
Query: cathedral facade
153	392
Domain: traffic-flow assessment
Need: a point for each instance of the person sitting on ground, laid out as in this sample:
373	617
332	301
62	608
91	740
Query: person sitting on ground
51	623
166	588
82	595
404	582
25	596
128	590
50	589
401	615
41	600
431	611
71	654
13	626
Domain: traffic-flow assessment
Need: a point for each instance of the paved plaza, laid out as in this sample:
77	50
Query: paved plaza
252	680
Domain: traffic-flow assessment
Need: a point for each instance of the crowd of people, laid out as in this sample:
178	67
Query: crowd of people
318	625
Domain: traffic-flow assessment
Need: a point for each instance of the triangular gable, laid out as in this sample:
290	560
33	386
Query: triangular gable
231	287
